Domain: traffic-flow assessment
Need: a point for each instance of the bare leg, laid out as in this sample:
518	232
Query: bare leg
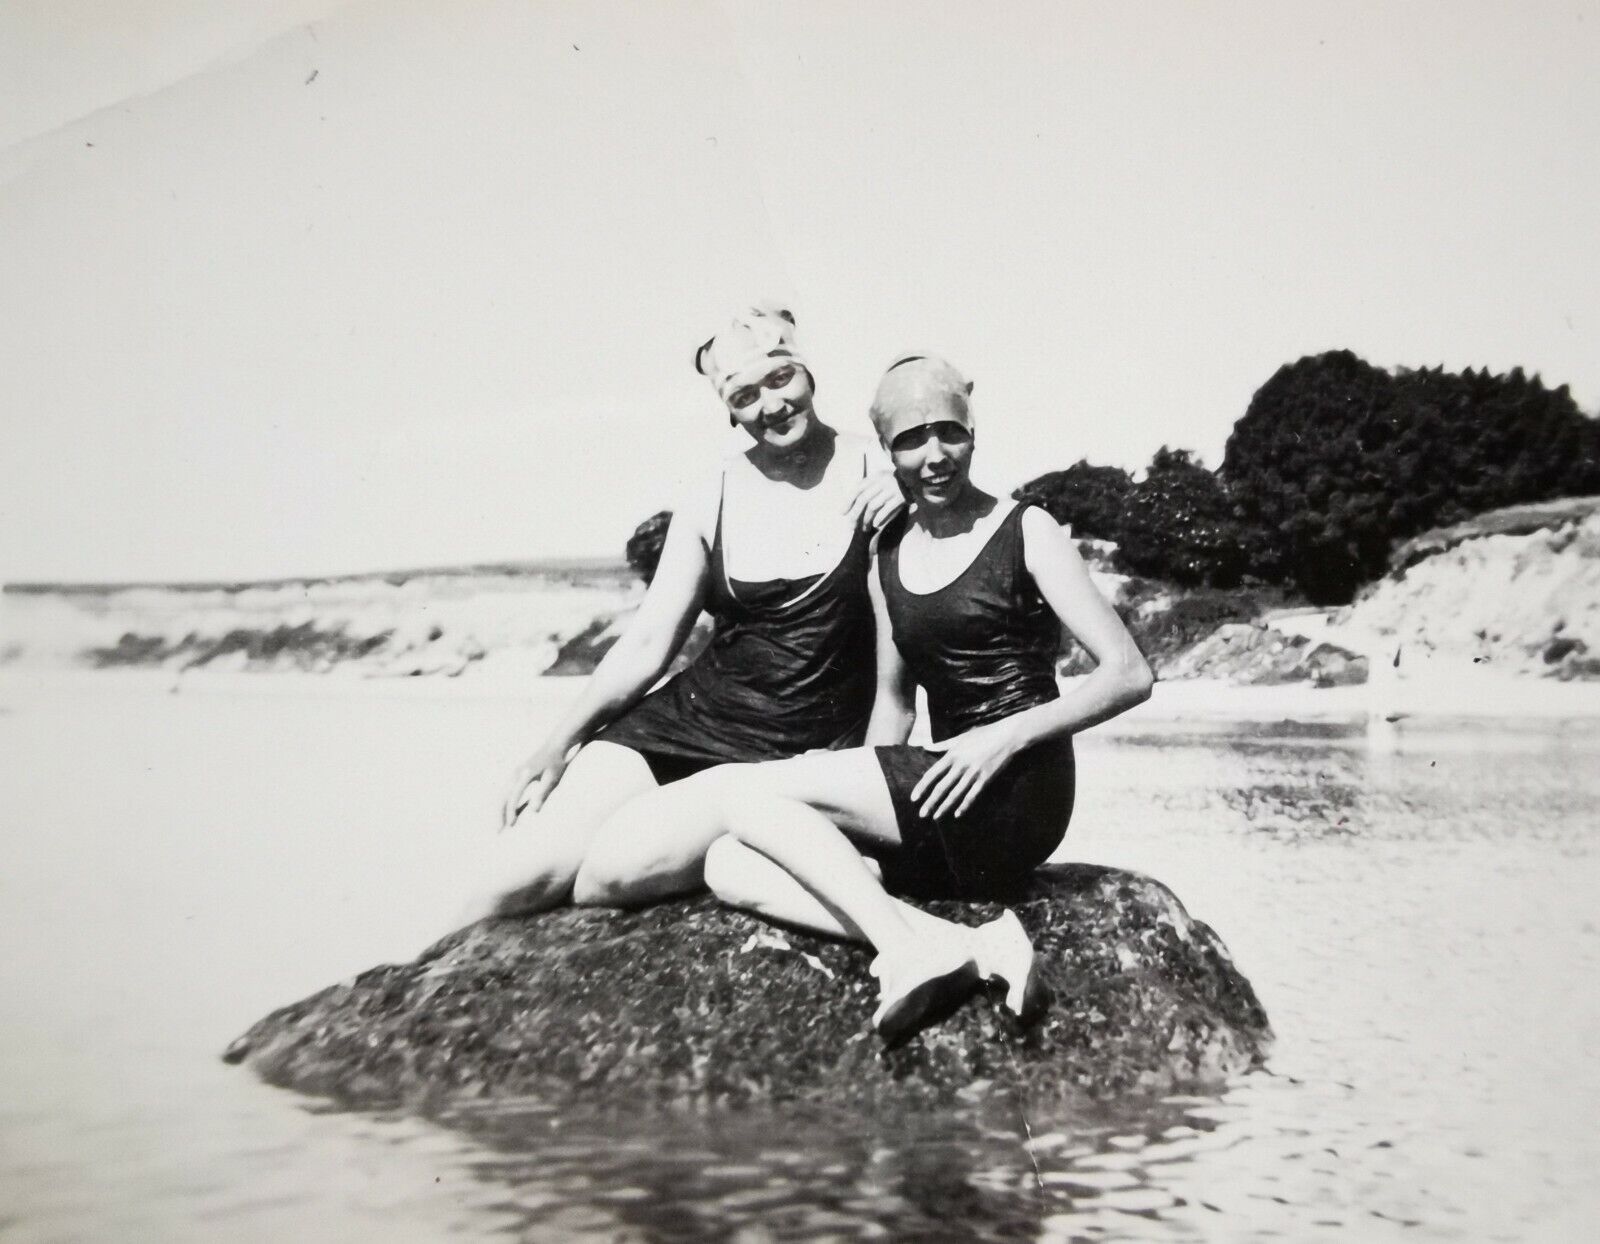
768	838
531	867
655	845
741	876
917	974
812	850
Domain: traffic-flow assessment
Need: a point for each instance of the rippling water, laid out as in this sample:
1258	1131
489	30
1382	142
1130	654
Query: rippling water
1418	919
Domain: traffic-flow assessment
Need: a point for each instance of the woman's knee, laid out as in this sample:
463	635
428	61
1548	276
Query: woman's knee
594	886
612	855
652	847
523	887
604	880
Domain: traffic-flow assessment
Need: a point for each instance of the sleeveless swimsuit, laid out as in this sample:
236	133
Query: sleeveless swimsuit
789	669
983	647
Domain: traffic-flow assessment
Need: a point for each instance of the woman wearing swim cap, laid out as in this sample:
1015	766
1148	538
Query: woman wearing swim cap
969	594
775	548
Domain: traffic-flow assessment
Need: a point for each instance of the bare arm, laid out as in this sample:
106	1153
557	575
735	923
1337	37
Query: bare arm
894	703
1120	680
652	638
632	665
1121	677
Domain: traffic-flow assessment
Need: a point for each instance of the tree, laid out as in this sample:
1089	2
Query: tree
1179	524
1088	498
1335	460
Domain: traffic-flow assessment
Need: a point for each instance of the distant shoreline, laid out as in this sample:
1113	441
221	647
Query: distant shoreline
583	567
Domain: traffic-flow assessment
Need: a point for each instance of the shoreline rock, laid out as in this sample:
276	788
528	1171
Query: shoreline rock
690	1003
1253	654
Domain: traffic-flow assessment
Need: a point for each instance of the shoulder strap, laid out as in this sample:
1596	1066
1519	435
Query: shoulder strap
1002	557
889	547
1014	521
1022	577
716	531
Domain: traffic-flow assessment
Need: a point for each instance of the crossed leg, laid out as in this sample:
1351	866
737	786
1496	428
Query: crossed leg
655	845
728	829
794	814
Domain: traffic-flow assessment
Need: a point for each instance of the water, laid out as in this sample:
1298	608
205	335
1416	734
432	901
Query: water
1419	922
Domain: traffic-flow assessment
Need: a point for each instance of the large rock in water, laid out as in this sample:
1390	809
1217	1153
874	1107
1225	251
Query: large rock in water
692	1002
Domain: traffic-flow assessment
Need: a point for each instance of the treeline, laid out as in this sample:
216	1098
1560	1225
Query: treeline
1334	461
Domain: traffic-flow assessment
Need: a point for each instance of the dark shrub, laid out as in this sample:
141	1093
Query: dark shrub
644	545
1089	498
1336	459
1179	524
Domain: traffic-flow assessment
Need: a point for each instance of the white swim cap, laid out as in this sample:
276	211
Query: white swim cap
759	332
920	389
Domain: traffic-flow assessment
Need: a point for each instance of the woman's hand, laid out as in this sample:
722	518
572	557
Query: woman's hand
532	783
969	763
878	499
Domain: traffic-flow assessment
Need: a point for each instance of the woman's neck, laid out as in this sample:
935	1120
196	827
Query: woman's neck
960	515
802	463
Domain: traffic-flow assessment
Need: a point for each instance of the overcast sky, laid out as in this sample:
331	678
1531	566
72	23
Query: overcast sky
312	287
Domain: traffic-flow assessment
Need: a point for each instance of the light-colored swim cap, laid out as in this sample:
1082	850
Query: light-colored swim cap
759	332
920	389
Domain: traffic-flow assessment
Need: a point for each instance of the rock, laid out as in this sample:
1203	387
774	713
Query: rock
690	1002
1563	646
1250	653
580	654
1329	665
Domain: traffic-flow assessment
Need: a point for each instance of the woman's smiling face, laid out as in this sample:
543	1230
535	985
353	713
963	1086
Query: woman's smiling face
771	400
933	460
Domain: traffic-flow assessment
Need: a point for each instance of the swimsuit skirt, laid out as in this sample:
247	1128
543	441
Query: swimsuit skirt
789	669
983	647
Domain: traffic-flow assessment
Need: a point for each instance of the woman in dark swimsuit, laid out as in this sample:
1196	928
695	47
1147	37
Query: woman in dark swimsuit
969	597
776	551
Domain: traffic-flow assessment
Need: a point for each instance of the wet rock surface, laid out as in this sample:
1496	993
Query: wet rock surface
691	1003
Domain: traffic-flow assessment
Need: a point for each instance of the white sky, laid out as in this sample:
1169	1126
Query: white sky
437	302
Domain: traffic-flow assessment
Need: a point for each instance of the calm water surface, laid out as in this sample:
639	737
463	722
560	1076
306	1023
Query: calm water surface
1418	919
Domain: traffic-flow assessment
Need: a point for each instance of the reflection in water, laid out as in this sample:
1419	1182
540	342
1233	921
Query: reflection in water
1417	919
975	1174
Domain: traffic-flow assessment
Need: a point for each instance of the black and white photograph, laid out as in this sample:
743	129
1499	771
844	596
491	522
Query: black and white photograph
658	621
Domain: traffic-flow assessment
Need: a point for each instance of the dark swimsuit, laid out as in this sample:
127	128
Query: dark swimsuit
789	669
983	647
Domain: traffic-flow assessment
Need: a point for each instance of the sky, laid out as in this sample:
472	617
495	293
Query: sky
312	287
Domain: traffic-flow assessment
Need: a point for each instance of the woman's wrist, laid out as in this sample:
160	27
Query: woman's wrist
562	741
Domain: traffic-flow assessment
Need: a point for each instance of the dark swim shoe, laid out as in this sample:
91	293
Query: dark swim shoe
915	987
